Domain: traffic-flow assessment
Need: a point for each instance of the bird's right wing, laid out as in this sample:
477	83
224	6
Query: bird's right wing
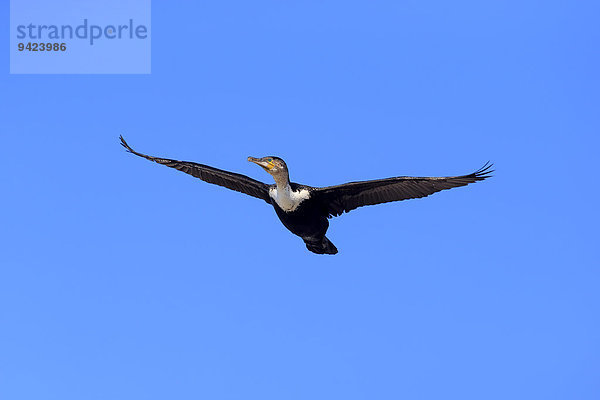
343	198
230	180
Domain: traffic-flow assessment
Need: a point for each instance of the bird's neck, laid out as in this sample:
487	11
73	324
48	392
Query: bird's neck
286	198
282	181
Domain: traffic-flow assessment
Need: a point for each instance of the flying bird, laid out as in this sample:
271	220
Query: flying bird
305	210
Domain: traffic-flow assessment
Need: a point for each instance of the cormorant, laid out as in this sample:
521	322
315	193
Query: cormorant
304	210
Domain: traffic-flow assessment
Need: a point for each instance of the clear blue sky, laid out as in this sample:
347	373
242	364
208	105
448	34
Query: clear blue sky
123	279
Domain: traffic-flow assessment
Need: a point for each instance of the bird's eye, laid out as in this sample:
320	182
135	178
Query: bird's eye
269	160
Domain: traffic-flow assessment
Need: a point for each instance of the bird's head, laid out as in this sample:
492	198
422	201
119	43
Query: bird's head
273	165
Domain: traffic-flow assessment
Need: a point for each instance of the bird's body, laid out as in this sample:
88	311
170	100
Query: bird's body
305	210
301	216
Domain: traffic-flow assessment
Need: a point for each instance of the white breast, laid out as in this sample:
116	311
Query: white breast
287	198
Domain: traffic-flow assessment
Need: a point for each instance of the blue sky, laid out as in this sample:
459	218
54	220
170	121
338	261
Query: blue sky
123	279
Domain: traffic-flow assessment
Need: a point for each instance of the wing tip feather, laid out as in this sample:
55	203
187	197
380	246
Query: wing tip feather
484	172
124	144
129	149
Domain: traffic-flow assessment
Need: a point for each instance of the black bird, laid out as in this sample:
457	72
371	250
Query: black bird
304	210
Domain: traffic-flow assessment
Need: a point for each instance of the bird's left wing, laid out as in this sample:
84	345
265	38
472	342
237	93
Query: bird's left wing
343	198
230	180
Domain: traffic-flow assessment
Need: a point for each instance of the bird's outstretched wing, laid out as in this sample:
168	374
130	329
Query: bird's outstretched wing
344	198
230	180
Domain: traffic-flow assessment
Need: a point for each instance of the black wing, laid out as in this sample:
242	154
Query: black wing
230	180
344	198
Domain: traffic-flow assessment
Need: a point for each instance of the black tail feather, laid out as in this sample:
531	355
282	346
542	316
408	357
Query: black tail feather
323	246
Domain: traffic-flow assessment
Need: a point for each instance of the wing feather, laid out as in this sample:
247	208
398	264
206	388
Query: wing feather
349	196
230	180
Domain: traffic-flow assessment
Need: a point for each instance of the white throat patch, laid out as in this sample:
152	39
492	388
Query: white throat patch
288	199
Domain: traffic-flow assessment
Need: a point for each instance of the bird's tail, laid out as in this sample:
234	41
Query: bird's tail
320	246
